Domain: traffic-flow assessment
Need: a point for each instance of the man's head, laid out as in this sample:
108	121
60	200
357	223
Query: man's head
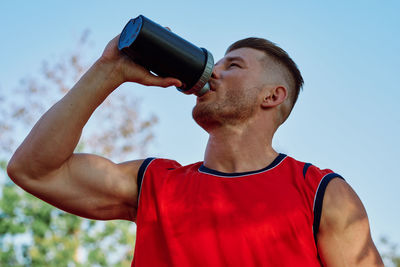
279	65
253	73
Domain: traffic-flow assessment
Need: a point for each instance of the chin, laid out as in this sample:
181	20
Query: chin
205	117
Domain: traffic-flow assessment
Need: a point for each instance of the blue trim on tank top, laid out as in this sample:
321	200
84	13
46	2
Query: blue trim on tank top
305	169
319	199
140	176
275	163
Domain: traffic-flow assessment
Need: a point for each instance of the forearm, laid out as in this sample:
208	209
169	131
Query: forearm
54	137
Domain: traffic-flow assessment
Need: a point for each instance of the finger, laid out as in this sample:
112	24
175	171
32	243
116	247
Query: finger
173	82
115	39
153	80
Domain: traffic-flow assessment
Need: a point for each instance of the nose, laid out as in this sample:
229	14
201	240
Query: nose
216	72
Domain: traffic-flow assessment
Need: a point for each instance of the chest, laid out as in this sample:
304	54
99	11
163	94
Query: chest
268	204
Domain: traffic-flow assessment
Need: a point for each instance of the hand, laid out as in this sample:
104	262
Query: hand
126	70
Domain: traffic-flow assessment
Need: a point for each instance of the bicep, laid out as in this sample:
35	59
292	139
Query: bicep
344	237
91	186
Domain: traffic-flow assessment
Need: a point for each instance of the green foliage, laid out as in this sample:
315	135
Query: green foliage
34	233
390	253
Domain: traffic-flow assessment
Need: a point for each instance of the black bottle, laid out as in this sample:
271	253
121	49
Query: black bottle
167	55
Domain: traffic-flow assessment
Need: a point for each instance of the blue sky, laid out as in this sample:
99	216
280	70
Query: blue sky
346	119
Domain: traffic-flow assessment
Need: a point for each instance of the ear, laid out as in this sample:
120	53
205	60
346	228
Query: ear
274	97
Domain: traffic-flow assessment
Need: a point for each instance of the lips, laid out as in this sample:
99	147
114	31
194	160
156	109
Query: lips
212	88
212	85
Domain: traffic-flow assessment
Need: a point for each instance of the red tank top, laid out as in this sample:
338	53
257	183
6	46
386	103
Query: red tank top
195	216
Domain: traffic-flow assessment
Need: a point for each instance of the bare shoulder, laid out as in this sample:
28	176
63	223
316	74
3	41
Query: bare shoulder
341	199
344	237
131	167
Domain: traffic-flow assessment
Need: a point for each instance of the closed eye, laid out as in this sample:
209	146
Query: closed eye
234	65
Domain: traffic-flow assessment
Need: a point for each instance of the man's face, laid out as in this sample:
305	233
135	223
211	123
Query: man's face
235	89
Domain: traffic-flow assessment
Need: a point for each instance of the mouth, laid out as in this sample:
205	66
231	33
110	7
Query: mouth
211	85
211	88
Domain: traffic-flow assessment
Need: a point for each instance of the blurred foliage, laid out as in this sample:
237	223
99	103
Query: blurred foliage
389	252
34	233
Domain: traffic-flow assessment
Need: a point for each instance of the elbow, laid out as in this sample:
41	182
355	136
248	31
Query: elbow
15	170
12	169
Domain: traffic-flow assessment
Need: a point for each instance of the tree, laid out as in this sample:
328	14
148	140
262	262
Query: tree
390	254
33	233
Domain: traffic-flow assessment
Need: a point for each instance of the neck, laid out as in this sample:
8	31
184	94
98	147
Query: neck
239	149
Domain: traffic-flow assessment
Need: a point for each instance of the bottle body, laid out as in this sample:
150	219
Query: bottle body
166	54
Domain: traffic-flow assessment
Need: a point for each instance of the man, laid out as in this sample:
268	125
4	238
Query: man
245	205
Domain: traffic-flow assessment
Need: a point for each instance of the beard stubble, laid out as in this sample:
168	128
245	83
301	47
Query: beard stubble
236	107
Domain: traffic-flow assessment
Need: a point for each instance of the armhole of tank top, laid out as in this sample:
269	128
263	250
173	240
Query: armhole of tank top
141	173
305	169
318	201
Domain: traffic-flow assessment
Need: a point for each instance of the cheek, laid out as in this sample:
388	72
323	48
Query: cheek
242	88
241	91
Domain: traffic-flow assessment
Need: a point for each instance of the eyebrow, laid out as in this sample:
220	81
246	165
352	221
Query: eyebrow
230	59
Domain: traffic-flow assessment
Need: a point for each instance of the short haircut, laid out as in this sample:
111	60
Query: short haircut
280	57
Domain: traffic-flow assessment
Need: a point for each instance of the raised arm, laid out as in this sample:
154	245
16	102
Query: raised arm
344	237
86	185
